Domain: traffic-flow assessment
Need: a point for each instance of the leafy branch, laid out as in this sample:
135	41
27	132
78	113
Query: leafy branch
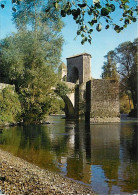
90	15
87	15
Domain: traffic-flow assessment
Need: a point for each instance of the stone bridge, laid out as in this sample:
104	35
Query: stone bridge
95	100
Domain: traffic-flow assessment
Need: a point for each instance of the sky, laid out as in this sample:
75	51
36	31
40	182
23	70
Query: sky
102	42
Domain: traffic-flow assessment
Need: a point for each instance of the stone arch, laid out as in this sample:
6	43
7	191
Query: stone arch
69	108
69	100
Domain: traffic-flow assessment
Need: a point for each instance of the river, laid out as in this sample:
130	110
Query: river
104	156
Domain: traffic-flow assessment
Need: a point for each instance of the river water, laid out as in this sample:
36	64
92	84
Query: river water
104	156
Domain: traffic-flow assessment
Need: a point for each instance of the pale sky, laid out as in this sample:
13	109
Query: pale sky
102	42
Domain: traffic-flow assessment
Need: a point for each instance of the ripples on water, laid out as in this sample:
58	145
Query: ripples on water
104	156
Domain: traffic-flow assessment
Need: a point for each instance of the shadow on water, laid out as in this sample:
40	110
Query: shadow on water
103	156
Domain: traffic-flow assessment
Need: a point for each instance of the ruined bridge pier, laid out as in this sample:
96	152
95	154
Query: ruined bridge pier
95	100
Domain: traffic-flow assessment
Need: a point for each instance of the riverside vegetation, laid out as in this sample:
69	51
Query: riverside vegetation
10	107
122	65
34	97
30	58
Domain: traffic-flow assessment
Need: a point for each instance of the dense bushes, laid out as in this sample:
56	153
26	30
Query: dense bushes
126	104
10	108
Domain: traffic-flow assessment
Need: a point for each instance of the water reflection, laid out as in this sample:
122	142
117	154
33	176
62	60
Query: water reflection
103	156
129	158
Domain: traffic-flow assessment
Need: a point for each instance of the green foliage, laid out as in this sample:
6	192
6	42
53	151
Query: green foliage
109	67
133	86
90	14
30	58
33	15
126	54
36	98
86	14
125	104
57	106
62	89
31	68
10	107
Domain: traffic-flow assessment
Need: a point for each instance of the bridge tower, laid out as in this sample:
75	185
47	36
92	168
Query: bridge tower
78	73
79	68
95	100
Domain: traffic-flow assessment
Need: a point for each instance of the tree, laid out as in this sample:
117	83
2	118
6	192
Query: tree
62	89
57	105
30	14
125	58
31	72
133	79
126	55
10	107
109	67
91	14
30	59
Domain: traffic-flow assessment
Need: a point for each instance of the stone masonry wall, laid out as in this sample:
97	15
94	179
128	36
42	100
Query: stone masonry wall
102	100
86	68
80	101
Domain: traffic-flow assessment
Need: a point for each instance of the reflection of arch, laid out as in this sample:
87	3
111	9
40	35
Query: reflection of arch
75	75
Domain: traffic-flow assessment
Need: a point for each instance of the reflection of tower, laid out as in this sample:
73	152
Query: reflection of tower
78	166
72	138
70	129
105	150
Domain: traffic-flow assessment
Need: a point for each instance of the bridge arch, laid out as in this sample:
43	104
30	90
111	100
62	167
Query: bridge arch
69	108
68	96
69	100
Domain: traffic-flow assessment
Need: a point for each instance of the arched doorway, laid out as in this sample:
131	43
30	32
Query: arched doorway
75	75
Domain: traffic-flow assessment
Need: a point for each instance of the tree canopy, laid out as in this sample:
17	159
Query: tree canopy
126	54
125	58
30	58
110	67
30	14
88	15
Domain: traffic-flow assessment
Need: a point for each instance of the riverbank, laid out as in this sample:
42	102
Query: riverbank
20	177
